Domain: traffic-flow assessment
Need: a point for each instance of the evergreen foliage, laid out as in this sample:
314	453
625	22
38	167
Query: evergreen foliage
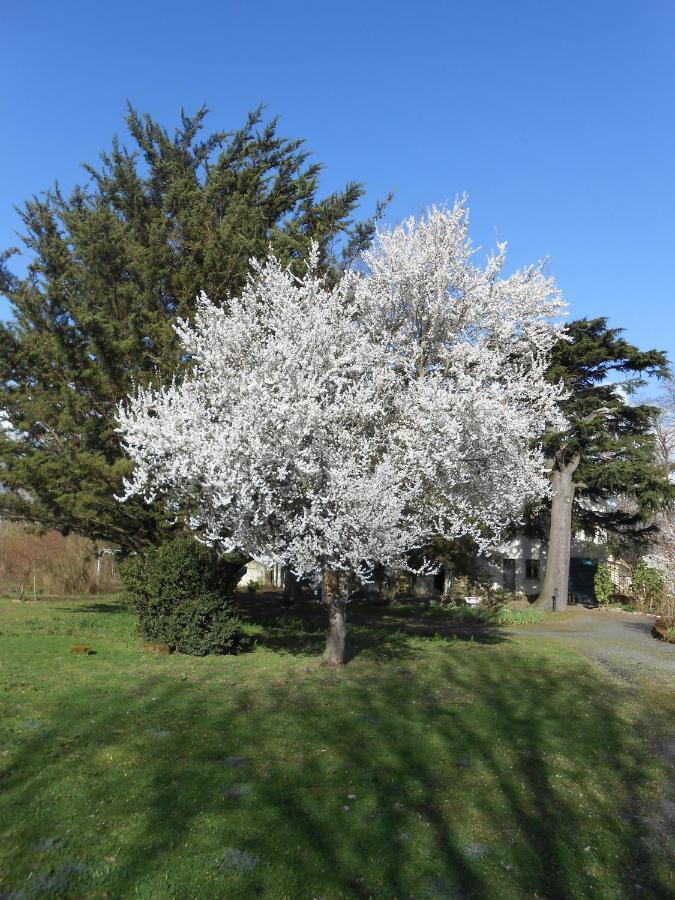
603	584
613	437
111	268
180	593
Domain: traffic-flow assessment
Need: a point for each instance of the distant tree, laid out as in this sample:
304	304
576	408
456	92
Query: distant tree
111	268
661	552
335	427
664	426
607	454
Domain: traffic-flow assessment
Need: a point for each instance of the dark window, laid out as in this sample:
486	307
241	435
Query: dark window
509	574
532	568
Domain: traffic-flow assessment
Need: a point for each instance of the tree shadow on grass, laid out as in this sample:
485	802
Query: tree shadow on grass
116	607
376	631
473	772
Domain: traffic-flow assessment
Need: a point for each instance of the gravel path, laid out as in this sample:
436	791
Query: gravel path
621	643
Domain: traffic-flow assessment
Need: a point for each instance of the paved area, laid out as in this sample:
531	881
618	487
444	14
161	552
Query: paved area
621	643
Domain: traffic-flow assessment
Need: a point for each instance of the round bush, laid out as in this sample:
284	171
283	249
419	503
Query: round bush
206	625
180	592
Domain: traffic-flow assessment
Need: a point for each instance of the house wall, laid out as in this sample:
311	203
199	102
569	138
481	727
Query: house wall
522	548
621	574
262	576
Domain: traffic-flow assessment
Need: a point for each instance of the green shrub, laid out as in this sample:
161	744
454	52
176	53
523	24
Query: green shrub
648	587
180	592
602	581
496	598
207	625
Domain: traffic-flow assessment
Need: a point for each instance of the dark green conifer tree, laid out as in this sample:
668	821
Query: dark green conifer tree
111	267
607	454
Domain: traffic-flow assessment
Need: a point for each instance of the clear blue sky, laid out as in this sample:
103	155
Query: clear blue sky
558	119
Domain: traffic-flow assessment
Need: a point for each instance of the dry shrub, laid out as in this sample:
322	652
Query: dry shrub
664	630
37	562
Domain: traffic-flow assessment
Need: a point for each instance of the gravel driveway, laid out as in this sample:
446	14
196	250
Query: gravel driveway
621	643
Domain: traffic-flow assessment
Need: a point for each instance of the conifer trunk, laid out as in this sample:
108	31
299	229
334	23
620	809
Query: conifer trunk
557	574
335	599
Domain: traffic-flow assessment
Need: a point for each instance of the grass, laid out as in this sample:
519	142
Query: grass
506	615
515	616
448	759
621	607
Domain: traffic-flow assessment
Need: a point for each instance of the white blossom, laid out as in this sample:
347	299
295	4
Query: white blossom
344	426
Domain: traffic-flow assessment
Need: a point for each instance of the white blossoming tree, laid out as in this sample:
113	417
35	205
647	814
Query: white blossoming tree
330	429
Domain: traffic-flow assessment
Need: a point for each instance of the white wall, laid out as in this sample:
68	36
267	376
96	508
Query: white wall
521	548
263	576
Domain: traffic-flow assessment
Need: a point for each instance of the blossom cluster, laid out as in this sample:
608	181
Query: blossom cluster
345	425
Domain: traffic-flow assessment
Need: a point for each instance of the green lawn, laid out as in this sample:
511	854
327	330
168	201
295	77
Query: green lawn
436	764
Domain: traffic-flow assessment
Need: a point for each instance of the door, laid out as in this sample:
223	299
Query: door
582	579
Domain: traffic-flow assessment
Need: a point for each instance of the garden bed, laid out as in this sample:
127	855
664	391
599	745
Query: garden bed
664	630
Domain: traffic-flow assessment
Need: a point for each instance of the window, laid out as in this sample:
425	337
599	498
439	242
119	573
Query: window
532	568
509	574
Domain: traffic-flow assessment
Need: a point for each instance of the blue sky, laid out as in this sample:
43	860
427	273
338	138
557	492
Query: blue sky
558	119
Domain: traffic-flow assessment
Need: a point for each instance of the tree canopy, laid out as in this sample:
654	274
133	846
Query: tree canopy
111	267
605	473
334	427
612	435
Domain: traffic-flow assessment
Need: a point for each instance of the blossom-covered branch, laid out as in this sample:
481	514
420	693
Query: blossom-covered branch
333	428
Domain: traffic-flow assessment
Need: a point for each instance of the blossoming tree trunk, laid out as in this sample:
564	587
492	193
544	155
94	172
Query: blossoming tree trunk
335	599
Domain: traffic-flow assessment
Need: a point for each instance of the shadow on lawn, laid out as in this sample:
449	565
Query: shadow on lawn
378	632
424	763
115	607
